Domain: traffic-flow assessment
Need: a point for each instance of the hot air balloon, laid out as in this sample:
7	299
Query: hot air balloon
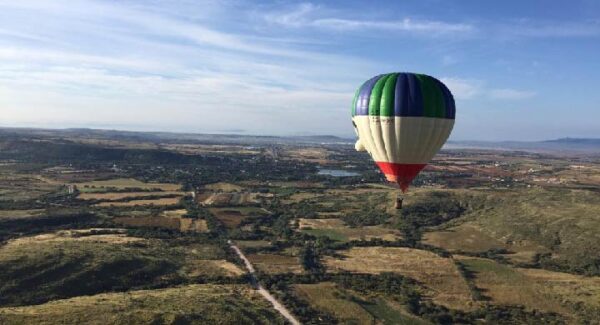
402	120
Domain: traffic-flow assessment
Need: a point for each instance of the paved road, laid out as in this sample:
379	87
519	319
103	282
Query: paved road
276	304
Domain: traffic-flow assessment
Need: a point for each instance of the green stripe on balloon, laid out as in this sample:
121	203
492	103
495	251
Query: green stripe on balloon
386	106
375	99
433	100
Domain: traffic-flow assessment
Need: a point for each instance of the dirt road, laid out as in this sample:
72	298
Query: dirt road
276	304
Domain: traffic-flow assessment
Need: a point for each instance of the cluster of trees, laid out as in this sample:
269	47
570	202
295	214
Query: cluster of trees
52	220
58	198
433	210
577	264
366	217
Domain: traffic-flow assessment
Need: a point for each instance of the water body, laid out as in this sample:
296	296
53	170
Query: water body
337	173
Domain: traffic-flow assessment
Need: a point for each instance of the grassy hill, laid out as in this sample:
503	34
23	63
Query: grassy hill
193	304
557	227
41	268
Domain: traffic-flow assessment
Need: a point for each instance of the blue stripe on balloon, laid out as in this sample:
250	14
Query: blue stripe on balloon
448	100
362	103
416	97
408	100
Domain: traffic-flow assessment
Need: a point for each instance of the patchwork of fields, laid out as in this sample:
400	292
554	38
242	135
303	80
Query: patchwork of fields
140	232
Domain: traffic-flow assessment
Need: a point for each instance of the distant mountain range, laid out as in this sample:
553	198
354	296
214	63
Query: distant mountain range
171	137
567	145
564	145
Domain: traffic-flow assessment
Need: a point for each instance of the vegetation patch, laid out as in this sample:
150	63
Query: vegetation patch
224	187
327	297
448	288
198	304
336	229
37	269
542	290
276	263
471	238
20	214
123	184
156	202
562	221
120	196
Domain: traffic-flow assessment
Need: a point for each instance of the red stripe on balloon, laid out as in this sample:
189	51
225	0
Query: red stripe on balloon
402	174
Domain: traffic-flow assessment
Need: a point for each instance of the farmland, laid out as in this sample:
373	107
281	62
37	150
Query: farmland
130	231
439	274
336	229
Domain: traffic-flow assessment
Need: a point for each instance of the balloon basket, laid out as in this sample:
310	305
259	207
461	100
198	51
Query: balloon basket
399	201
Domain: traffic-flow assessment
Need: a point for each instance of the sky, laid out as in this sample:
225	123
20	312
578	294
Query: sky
519	70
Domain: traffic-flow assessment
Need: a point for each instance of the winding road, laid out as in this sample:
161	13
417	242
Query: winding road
276	304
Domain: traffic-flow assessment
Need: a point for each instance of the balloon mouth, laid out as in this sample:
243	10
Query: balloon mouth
401	174
402	183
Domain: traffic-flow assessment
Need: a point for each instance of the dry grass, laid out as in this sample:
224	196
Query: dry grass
202	267
297	184
327	297
149	222
315	155
96	248
471	238
568	288
174	213
20	214
252	243
171	219
198	149
215	199
204	303
232	217
116	236
195	225
534	288
17	187
156	202
562	220
231	198
229	218
466	237
439	274
124	183
274	263
299	197
337	229
224	187
127	195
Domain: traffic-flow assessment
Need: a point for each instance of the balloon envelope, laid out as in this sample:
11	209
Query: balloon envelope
402	120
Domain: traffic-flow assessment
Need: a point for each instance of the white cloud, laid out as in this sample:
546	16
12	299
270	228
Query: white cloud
448	60
298	17
309	15
406	25
463	88
556	29
110	61
528	28
511	94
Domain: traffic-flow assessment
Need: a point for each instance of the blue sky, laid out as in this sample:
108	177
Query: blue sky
519	70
